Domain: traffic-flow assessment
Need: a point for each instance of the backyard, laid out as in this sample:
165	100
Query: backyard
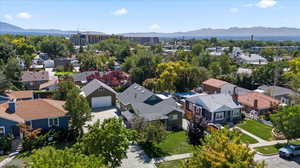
256	128
174	143
273	149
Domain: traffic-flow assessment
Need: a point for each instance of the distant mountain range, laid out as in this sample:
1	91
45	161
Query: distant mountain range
9	28
206	32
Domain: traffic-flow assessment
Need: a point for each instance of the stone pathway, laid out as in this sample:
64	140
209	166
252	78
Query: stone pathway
251	135
136	158
6	161
173	157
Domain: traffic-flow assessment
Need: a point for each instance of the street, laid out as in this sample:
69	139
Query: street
277	162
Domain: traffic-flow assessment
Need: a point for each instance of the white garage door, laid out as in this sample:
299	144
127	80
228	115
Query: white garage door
101	101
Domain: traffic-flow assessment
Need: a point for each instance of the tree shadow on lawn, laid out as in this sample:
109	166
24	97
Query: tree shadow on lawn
153	151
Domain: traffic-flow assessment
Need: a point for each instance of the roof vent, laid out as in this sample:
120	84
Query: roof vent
143	91
135	87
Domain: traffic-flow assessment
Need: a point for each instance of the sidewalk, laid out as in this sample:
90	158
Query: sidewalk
6	161
173	157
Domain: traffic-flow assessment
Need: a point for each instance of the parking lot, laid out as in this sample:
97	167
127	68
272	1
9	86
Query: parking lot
277	162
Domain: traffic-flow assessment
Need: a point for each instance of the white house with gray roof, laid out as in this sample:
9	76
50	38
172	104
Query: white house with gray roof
137	101
215	108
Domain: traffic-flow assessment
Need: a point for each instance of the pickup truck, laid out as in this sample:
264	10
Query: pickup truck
289	151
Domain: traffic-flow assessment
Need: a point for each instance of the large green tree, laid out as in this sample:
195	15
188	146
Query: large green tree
78	110
109	140
64	88
222	149
287	121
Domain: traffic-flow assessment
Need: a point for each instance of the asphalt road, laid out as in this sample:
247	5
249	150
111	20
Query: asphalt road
277	162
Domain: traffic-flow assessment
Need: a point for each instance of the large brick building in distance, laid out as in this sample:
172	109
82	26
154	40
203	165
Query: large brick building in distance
85	39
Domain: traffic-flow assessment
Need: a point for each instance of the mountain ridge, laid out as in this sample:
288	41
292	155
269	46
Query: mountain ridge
209	32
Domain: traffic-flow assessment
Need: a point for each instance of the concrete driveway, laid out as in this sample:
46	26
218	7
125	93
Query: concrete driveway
101	114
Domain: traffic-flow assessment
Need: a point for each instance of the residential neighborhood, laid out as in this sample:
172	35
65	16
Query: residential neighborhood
134	86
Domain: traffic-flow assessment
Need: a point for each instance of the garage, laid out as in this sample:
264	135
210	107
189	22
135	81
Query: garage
101	101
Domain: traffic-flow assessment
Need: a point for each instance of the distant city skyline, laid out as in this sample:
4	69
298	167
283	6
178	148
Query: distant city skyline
123	16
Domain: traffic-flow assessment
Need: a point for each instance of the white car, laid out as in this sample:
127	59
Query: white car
289	151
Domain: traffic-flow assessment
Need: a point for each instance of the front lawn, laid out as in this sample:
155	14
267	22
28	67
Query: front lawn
175	143
2	157
247	139
171	164
256	128
273	149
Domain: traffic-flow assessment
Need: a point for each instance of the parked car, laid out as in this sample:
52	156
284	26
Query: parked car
289	151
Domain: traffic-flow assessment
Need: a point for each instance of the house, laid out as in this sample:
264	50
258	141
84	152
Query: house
99	94
212	86
50	85
37	113
215	108
137	101
33	80
48	64
258	102
284	95
81	78
19	95
253	59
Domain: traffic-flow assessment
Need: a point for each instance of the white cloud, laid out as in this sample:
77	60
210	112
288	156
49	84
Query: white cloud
8	17
23	15
155	27
120	12
266	3
234	10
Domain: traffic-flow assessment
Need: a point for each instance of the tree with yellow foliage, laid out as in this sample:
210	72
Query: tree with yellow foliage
223	149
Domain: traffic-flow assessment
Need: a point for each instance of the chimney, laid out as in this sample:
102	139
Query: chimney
235	95
12	106
255	104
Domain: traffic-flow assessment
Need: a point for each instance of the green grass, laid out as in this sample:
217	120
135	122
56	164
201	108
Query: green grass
256	128
63	73
171	164
248	139
273	149
2	157
174	143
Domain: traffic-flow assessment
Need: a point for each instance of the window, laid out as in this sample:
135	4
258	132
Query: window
236	113
53	122
174	117
219	116
2	130
191	106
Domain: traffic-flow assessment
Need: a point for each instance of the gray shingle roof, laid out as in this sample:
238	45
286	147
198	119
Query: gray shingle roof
79	77
94	85
229	89
214	102
136	96
277	91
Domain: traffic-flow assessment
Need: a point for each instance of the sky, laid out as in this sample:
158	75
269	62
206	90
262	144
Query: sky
123	16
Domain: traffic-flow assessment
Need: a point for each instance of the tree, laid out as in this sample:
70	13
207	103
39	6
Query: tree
294	73
196	131
287	121
64	88
13	72
5	142
142	65
51	158
197	49
4	83
93	61
55	47
179	76
109	140
6	51
221	149
154	132
78	110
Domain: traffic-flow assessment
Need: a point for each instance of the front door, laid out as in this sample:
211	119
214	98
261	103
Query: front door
16	131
